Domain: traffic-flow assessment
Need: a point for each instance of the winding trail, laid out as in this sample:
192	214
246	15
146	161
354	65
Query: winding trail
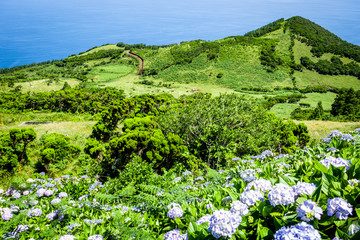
138	58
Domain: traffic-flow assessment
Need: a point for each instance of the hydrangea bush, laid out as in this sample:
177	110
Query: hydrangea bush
311	194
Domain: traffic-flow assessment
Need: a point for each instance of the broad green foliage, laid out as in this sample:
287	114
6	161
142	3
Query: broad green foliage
13	148
56	151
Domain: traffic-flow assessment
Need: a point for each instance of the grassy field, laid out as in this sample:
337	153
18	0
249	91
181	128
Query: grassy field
105	47
320	129
41	85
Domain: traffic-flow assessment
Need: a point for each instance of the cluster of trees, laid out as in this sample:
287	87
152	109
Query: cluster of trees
333	67
322	40
317	113
197	132
347	105
266	29
142	46
268	57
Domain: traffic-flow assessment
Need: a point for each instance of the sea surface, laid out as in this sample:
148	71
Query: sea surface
40	30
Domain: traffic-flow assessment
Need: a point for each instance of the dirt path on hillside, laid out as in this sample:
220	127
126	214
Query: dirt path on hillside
138	58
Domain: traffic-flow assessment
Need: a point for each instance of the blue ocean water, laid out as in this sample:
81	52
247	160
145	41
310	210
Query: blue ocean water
41	30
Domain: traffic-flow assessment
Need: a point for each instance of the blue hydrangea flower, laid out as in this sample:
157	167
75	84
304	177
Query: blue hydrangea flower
36	212
175	212
302	188
335	133
51	216
354	228
186	173
40	192
347	138
301	231
6	216
336	162
226	200
55	201
340	207
67	237
251	197
248	175
353	182
223	223
260	185
96	237
240	208
309	210
176	180
63	195
203	219
175	235
281	194
332	149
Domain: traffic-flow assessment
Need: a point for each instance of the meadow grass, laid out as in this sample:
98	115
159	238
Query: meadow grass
105	47
320	129
312	78
327	99
42	85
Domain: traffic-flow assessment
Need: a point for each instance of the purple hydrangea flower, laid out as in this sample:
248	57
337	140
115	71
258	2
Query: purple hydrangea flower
251	197
300	231
36	212
336	162
63	195
40	192
309	210
340	207
281	194
55	201
6	216
49	192
51	216
224	223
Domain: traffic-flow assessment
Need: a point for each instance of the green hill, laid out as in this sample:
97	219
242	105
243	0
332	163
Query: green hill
283	55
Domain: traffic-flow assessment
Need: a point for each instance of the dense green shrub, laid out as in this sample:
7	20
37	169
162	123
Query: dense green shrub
216	129
347	104
56	151
13	148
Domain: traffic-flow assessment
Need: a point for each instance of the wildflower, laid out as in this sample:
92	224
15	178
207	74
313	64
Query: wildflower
340	207
335	133
226	200
299	231
63	195
353	182
260	185
40	192
67	237
281	194
332	149
51	216
6	216
223	223
49	192
336	162
309	210
354	228
239	208
176	180
302	188
55	201
175	235
175	212
186	173
251	197
96	237
347	137
248	175
36	212
203	219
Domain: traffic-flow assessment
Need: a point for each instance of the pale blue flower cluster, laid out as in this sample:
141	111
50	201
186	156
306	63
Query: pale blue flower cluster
354	228
300	231
347	137
203	219
260	185
248	175
302	188
96	237
36	212
282	194
251	197
239	208
309	210
175	212
224	223
340	207
335	133
67	237
175	235
336	162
